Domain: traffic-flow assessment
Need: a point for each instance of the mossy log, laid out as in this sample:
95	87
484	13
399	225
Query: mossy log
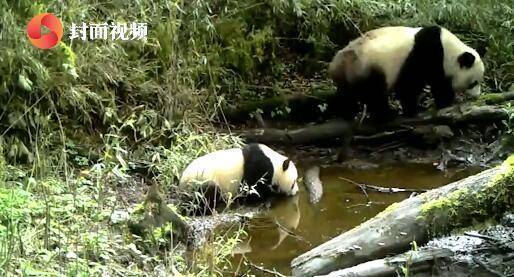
458	114
418	218
309	106
302	107
416	261
336	130
496	98
315	134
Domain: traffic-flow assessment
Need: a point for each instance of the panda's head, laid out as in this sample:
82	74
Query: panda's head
469	74
259	157
285	177
285	174
462	64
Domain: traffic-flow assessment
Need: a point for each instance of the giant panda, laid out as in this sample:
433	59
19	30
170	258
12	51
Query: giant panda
404	60
249	174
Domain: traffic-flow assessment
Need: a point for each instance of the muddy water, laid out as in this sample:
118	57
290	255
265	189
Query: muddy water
302	225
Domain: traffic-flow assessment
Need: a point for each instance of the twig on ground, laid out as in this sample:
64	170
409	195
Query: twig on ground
484	237
273	272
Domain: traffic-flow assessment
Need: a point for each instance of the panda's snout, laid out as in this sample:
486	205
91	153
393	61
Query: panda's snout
474	92
294	190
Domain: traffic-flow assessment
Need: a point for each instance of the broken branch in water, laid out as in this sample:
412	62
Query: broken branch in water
313	184
368	204
365	187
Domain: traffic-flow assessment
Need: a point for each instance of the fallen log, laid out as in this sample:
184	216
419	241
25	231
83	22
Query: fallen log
313	184
402	128
308	106
415	261
418	218
300	106
315	134
469	113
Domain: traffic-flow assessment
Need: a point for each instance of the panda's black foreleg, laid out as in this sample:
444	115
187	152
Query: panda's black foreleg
408	92
409	102
443	93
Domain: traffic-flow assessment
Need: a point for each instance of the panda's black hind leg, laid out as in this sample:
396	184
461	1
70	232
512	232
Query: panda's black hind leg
379	109
347	105
409	101
204	200
376	97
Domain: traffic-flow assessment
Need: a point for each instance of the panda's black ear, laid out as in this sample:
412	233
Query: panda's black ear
285	165
466	60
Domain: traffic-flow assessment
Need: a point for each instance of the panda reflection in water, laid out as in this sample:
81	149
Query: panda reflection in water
251	174
286	217
404	60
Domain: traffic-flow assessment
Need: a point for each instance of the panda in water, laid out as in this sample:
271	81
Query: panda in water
404	60
252	174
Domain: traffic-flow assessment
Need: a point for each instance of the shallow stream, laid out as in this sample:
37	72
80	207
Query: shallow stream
293	225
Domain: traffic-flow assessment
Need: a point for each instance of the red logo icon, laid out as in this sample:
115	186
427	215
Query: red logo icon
49	39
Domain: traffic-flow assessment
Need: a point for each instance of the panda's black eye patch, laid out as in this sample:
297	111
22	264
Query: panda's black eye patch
472	85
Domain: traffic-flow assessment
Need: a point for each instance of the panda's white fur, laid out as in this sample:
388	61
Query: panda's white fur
386	47
226	169
386	50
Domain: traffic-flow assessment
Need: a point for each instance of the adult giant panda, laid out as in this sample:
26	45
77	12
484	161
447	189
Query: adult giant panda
252	174
404	60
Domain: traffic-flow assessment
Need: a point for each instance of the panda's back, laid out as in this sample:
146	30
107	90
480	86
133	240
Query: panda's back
224	167
383	48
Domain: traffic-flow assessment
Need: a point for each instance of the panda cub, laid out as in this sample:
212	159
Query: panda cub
404	60
252	174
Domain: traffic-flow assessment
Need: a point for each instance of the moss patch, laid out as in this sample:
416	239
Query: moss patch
464	207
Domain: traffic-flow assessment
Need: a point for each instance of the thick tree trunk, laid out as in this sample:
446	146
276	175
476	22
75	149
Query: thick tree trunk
419	218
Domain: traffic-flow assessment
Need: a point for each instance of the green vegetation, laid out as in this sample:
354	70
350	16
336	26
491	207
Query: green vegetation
75	118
